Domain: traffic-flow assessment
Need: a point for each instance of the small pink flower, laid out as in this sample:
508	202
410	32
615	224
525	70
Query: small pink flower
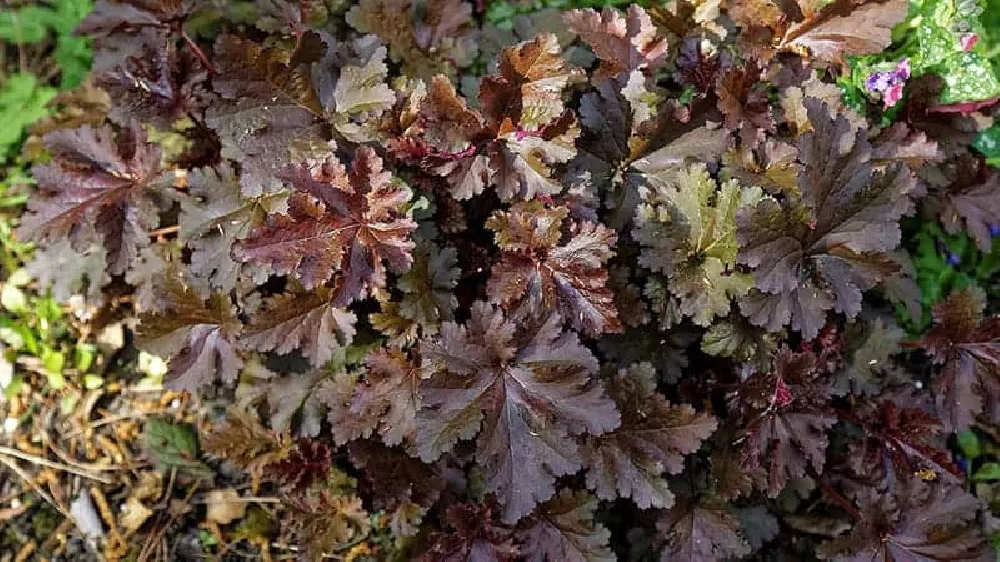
892	95
782	394
903	69
969	41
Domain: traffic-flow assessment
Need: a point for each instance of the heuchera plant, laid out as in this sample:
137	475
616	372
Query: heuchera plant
635	302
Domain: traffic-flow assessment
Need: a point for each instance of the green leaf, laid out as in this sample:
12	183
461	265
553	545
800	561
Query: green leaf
988	143
207	539
936	44
931	40
256	524
17	335
92	382
174	446
989	472
14	388
686	225
13	299
68	403
53	361
968	443
22	102
967	77
73	55
68	14
83	356
27	25
19	278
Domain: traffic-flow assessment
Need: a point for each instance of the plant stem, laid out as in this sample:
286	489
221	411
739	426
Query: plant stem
9	452
198	53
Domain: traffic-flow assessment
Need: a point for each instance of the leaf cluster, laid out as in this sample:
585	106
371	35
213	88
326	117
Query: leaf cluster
509	295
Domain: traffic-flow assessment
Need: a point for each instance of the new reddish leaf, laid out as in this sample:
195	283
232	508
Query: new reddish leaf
475	534
439	133
743	101
900	442
310	461
544	269
919	522
623	44
340	226
394	478
787	419
158	85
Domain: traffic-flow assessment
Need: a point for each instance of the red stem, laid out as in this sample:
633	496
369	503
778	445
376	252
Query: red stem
836	497
198	53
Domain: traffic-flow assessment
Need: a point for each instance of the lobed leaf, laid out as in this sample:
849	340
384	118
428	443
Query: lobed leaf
687	229
199	337
786	433
99	187
623	44
846	27
653	438
267	117
428	37
125	27
820	252
968	346
541	270
214	215
564	529
308	322
919	522
523	392
474	533
386	400
157	85
701	534
340	226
